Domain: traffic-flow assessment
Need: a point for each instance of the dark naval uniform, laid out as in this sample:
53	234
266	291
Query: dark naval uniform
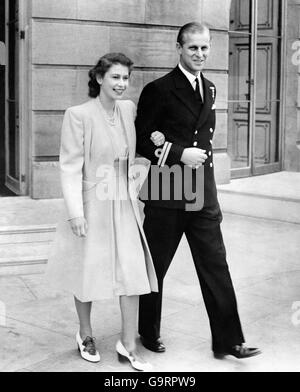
169	105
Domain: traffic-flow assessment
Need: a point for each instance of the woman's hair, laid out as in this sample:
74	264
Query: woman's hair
103	65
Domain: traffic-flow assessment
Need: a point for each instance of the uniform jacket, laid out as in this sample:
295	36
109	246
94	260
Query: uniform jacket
168	105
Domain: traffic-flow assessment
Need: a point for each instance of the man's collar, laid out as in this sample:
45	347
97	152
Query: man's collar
189	75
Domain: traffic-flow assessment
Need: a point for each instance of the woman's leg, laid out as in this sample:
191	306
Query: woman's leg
84	315
126	348
129	309
86	342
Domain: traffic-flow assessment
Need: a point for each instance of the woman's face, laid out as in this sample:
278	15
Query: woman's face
115	82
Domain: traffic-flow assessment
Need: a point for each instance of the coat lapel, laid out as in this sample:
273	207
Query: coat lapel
184	91
208	103
102	127
128	123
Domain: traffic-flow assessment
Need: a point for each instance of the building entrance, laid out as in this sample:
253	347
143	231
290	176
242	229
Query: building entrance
255	87
10	166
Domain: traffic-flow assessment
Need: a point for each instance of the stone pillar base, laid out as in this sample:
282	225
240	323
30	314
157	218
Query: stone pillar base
222	168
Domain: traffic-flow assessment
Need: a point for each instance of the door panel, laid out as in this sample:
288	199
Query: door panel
240	17
264	78
239	86
13	158
238	143
265	14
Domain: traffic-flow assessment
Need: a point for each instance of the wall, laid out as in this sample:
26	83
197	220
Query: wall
292	120
69	36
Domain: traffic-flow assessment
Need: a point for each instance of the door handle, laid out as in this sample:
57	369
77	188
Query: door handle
2	53
251	82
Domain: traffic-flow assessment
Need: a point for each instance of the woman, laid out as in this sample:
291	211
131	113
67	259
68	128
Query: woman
105	253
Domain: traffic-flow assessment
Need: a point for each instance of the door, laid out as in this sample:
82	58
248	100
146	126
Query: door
13	169
268	82
15	165
254	87
2	95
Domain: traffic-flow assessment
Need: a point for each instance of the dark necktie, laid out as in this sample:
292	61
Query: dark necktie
197	91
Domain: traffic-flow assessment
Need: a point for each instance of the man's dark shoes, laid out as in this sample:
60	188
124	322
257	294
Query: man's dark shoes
240	352
156	345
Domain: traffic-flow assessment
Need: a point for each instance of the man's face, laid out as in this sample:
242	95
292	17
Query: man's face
195	51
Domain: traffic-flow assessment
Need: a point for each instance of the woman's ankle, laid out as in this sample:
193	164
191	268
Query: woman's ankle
129	345
85	332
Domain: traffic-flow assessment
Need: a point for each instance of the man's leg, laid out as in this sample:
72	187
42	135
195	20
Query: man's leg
208	250
163	229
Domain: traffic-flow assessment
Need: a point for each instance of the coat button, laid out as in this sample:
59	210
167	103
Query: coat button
211	130
211	165
209	154
196	132
211	142
195	144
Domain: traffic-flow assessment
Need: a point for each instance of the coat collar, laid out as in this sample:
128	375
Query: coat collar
184	91
127	119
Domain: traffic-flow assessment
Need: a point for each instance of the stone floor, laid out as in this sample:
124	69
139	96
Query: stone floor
276	185
37	334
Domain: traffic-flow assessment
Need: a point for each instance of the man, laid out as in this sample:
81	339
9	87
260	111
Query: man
182	106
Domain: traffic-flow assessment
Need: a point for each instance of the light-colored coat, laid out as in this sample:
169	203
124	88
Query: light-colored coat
85	147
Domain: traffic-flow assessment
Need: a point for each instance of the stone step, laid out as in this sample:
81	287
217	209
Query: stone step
25	249
24	234
274	197
260	207
23	265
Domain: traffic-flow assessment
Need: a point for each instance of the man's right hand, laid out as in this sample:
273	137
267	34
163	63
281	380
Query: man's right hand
79	227
194	157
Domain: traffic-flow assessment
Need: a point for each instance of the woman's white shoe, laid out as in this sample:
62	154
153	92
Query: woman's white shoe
87	349
124	355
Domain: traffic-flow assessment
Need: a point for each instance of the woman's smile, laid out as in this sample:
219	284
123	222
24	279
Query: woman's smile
115	82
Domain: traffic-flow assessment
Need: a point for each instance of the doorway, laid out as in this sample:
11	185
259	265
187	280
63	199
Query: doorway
255	52
10	140
4	191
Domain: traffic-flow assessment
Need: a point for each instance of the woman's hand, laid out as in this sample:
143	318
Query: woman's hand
158	138
79	227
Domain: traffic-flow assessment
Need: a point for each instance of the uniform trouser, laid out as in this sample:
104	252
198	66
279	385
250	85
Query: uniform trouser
164	229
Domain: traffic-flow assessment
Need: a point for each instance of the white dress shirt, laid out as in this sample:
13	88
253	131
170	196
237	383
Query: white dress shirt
191	78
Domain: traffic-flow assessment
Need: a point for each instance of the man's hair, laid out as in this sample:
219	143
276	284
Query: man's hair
193	27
